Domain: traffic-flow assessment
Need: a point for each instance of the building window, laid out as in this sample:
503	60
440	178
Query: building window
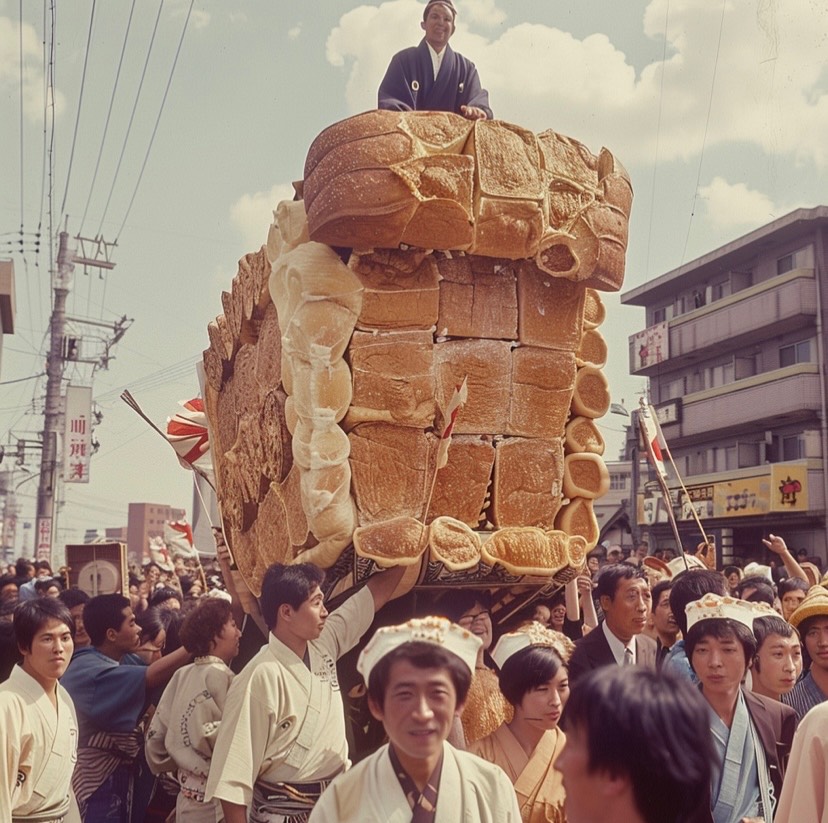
795	353
619	481
659	315
719	375
793	447
785	264
720	290
672	389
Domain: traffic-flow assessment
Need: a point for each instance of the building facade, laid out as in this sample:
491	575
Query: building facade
147	520
734	350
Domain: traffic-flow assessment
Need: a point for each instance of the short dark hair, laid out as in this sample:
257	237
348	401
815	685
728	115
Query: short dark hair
791	584
765	627
287	584
659	589
150	565
164	593
455	604
720	628
173	621
204	624
22	566
151	622
46	583
421	655
526	670
73	597
804	627
431	3
660	717
692	585
763	589
610	576
7	580
101	613
30	615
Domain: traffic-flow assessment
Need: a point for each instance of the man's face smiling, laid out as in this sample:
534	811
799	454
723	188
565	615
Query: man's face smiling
628	611
438	26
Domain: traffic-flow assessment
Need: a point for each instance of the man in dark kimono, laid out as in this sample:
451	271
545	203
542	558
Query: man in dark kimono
432	77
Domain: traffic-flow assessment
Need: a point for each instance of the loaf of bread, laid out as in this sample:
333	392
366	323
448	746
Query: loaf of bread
453	544
396	542
527	551
585	475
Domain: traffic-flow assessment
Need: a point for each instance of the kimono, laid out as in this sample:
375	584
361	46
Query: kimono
538	784
409	83
284	720
805	790
183	731
39	745
470	791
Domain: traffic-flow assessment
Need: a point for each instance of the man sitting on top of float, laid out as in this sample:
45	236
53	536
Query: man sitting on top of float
432	77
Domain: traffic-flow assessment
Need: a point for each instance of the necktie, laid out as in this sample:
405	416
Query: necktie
628	656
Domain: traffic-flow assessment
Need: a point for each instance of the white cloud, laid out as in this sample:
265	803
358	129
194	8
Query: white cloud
252	214
770	86
294	33
736	206
199	18
482	12
33	101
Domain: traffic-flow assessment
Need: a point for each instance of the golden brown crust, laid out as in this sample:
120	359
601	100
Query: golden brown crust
454	544
396	542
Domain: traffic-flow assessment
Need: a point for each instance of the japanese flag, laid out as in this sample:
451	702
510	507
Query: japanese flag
653	438
458	400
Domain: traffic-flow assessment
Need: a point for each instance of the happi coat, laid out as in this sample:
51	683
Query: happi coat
39	746
471	791
537	782
409	83
184	727
283	721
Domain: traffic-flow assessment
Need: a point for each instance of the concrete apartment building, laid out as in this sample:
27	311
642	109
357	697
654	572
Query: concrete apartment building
147	520
734	350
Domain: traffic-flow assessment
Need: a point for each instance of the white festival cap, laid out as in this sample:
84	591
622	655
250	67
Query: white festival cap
532	634
435	630
716	606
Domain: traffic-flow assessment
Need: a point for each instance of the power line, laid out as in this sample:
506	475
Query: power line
131	116
80	105
108	115
157	120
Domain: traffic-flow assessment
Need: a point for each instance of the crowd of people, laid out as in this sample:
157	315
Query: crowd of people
675	696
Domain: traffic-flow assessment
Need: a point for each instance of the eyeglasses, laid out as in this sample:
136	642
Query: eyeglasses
468	620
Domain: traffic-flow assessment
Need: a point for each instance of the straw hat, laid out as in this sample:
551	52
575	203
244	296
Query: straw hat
815	604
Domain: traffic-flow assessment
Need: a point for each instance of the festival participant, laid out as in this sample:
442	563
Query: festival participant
109	685
183	729
282	737
791	591
777	663
805	790
75	600
752	734
664	622
38	726
811	619
625	598
534	679
417	676
432	77
638	749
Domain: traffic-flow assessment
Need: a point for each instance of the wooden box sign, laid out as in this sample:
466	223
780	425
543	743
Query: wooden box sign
98	568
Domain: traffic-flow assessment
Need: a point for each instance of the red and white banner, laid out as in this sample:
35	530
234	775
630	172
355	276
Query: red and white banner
188	435
77	434
653	439
178	536
458	400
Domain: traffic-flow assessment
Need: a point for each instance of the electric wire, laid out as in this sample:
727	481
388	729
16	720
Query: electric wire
22	379
108	116
131	116
158	119
704	138
80	105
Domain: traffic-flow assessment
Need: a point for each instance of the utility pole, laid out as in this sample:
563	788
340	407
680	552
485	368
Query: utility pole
95	253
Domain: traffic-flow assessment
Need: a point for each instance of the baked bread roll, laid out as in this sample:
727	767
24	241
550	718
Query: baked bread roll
585	475
400	541
577	551
594	310
526	551
453	544
591	397
578	517
582	435
593	349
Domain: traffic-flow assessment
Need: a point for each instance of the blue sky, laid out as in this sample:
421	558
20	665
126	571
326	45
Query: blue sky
719	111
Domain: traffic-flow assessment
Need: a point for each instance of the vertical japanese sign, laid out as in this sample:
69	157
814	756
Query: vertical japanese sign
77	437
43	550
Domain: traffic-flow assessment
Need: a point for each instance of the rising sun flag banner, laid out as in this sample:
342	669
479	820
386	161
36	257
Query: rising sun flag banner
654	439
178	535
187	433
458	400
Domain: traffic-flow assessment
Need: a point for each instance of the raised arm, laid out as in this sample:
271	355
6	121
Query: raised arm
777	545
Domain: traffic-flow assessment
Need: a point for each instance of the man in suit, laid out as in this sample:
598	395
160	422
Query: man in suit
625	598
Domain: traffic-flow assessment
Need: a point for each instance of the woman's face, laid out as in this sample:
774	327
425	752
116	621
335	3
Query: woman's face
558	617
542	707
151	650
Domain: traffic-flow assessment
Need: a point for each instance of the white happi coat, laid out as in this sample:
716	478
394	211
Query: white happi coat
39	748
185	725
471	791
284	722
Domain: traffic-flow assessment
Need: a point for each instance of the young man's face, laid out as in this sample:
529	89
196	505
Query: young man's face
128	636
663	618
720	664
628	611
790	600
308	620
585	800
438	26
81	637
816	642
419	710
478	620
50	653
778	664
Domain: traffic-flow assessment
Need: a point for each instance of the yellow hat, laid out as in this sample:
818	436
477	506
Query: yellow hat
717	607
815	604
435	630
532	634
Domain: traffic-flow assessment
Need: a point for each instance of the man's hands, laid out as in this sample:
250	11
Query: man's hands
473	113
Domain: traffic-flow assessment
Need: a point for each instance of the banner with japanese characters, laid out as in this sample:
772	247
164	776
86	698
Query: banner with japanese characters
77	435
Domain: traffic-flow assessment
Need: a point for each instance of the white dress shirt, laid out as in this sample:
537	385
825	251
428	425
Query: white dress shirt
617	647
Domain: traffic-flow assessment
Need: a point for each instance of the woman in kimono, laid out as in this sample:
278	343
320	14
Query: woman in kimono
184	727
534	679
